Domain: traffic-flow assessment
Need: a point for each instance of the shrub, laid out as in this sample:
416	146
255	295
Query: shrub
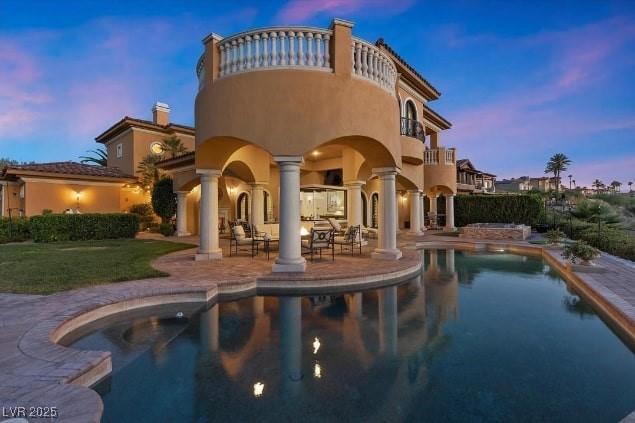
47	211
145	213
80	227
14	230
579	250
164	199
167	229
555	236
525	209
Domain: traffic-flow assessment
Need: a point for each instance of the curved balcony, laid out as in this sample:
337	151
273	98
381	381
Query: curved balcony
413	128
301	48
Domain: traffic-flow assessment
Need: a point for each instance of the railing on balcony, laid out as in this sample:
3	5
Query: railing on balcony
412	128
439	155
371	63
288	47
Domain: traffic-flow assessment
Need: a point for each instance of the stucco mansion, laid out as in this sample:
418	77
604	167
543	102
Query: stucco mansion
292	125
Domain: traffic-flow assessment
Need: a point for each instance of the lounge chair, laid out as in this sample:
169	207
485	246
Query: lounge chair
319	240
239	238
351	238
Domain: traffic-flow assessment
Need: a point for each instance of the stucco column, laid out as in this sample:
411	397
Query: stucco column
433	203
415	211
209	329
449	213
423	212
209	248
387	231
354	202
257	204
290	253
181	213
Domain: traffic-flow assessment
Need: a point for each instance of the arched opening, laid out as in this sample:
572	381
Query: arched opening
374	210
411	110
242	206
364	209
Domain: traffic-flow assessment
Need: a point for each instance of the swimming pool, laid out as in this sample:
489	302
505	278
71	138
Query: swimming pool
477	337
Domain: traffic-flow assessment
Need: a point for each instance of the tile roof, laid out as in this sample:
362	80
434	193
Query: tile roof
381	43
68	168
128	122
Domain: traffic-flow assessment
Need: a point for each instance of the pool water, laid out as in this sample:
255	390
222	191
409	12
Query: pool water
477	337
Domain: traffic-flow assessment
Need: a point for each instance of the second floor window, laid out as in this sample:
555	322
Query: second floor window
119	151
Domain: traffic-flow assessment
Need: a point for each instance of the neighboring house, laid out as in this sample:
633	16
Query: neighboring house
470	180
62	186
526	183
130	140
27	190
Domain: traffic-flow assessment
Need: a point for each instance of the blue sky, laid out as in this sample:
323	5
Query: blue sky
520	80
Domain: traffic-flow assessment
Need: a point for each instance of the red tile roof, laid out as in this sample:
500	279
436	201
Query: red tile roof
67	168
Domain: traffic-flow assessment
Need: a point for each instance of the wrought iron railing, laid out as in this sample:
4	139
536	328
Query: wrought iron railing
412	128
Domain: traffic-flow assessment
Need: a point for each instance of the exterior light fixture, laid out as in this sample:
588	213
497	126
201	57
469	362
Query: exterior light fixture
317	371
259	387
316	345
77	196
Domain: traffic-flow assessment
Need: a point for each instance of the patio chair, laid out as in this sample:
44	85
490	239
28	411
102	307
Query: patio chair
337	228
351	238
239	238
319	240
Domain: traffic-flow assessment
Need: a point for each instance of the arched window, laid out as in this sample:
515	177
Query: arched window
364	209
242	212
411	110
374	209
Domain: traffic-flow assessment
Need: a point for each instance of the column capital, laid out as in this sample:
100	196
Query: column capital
292	160
386	171
414	191
354	183
181	192
258	184
209	172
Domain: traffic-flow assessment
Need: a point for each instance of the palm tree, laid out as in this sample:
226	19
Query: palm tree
173	146
557	163
99	158
597	184
616	186
149	173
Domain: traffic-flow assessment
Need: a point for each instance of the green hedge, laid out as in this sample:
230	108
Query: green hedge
14	230
81	227
526	209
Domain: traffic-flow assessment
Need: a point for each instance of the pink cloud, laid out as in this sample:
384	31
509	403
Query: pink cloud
296	11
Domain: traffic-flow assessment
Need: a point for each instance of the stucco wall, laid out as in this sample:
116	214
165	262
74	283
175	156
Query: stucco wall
60	196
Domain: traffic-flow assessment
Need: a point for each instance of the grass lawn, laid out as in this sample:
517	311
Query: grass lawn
46	268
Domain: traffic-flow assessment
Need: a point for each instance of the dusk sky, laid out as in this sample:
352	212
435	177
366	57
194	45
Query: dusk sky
520	80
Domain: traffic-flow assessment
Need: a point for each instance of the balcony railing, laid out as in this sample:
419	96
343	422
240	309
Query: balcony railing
371	63
412	128
439	156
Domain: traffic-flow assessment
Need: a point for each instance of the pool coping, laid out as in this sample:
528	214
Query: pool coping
69	373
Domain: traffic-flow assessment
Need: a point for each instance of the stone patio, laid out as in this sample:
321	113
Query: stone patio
35	371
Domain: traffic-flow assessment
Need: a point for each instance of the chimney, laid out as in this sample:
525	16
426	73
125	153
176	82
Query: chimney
161	113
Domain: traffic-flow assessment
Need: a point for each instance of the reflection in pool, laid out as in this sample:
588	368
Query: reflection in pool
485	337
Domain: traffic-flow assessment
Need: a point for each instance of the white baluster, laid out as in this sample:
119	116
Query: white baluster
365	61
250	56
257	57
241	54
292	57
265	49
358	58
319	60
274	49
234	52
327	50
301	56
221	67
309	44
283	52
